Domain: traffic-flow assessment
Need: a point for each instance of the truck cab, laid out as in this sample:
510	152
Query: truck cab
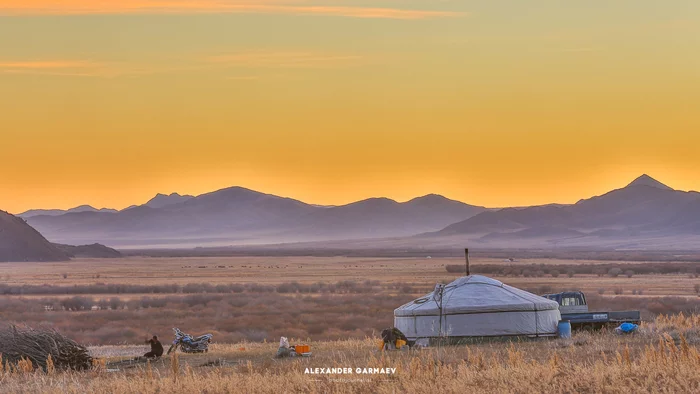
570	301
574	308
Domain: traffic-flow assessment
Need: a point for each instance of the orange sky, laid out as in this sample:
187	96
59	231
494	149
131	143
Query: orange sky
107	103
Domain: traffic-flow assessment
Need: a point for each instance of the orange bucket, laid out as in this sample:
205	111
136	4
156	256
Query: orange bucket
301	349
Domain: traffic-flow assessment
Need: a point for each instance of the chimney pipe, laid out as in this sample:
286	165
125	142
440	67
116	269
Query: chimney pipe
466	256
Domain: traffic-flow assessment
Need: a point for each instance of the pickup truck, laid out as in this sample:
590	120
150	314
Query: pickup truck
573	307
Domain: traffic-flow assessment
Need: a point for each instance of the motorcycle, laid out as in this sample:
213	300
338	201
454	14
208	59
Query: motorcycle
188	344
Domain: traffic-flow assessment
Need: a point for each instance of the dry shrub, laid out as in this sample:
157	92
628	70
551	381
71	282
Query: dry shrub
614	272
45	349
599	269
456	269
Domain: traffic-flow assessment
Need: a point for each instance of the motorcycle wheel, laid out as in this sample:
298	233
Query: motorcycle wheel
172	348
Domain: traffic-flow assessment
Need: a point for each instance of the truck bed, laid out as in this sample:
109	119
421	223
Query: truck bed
599	319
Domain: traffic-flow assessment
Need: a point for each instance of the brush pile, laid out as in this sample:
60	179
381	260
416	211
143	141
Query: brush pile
17	344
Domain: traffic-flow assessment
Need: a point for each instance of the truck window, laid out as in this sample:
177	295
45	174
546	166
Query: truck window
553	297
571	301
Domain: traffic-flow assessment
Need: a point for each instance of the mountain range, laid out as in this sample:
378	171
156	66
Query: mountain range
646	210
20	242
58	212
645	213
237	215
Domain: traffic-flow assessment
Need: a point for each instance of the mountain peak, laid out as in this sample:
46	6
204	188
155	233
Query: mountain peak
162	200
646	180
375	201
174	194
431	196
429	199
89	208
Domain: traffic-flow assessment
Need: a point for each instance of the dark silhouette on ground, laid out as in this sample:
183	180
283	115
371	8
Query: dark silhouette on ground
90	251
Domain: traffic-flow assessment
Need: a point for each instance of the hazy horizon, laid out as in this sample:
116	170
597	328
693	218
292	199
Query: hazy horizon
136	203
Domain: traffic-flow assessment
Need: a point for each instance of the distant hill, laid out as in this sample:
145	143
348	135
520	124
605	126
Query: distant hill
20	242
644	208
238	215
229	213
90	251
383	217
163	200
57	212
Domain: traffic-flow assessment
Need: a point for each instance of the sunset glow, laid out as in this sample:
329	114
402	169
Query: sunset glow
492	103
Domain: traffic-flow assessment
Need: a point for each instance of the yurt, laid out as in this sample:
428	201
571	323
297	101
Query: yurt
477	306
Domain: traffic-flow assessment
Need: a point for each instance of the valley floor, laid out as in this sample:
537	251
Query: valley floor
663	357
338	305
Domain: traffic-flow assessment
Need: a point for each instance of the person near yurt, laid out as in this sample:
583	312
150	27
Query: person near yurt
477	306
390	336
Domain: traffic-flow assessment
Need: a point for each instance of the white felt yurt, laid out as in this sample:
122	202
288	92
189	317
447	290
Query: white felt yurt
477	306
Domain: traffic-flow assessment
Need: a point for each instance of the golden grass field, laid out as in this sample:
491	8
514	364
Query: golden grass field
663	357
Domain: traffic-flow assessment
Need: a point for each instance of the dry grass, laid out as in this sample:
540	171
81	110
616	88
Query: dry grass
280	269
662	358
651	361
258	315
328	312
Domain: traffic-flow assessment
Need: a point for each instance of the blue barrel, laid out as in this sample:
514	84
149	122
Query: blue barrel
564	329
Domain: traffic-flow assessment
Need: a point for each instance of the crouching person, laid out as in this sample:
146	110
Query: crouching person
156	348
390	336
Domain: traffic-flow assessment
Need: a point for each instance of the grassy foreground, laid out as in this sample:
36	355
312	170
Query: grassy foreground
663	357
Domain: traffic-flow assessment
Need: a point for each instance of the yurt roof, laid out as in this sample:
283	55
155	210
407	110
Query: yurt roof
476	294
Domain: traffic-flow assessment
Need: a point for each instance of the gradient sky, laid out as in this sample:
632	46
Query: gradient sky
494	103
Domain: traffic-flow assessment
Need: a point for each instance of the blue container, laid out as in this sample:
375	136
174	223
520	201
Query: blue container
564	329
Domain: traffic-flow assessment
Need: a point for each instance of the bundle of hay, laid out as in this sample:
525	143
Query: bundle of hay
17	344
